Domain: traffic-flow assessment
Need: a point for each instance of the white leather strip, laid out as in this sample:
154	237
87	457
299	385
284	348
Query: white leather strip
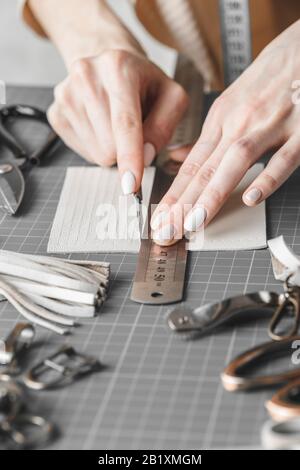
51	292
70	310
47	278
54	292
48	265
284	261
13	297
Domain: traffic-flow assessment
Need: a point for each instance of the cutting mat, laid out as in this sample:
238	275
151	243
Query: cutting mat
157	391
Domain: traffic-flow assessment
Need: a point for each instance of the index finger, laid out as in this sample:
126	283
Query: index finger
237	160
127	128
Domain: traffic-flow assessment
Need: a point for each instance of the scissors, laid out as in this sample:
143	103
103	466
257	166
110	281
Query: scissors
284	406
12	174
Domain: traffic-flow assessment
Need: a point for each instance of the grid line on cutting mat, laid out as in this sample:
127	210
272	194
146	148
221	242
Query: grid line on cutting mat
157	390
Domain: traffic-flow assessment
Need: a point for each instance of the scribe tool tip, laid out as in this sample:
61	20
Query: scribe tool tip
139	201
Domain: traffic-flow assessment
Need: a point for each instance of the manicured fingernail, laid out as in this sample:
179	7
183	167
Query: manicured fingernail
159	219
164	234
253	195
128	182
149	153
195	219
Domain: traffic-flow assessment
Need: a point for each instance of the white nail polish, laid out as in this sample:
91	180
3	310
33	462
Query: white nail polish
159	219
149	153
195	219
253	195
165	233
128	182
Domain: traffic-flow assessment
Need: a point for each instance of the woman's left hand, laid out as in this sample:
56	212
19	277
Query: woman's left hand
260	111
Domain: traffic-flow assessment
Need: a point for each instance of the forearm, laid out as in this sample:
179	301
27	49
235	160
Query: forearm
83	29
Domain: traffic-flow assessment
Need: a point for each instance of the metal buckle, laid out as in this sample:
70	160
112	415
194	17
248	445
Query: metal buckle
13	346
16	426
28	431
11	401
73	365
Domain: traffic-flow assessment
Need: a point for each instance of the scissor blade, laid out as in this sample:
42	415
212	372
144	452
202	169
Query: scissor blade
12	187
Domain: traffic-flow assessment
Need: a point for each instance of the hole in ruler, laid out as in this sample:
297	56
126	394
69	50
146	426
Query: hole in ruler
156	294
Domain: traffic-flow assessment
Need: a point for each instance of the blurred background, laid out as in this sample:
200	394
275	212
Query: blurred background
28	60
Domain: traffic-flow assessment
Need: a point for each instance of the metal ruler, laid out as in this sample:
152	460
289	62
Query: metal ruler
188	130
236	38
160	271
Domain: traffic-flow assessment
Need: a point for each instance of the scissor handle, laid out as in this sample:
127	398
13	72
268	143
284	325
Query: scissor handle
24	111
285	403
21	111
234	376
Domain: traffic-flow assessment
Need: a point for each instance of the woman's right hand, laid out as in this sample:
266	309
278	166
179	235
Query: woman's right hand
117	107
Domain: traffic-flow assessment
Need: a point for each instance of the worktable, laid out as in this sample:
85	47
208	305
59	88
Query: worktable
157	391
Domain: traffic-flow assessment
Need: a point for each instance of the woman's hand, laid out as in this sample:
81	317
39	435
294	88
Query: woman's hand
255	114
117	107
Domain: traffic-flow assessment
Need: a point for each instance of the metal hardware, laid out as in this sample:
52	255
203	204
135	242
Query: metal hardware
5	168
160	271
189	128
10	402
289	303
234	376
20	338
205	319
13	346
12	179
28	431
16	424
285	404
281	436
66	364
236	38
139	201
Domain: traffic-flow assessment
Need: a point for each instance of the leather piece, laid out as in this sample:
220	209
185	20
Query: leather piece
93	216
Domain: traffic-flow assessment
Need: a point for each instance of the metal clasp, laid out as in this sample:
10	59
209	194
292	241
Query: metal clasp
62	367
289	303
13	346
18	429
10	402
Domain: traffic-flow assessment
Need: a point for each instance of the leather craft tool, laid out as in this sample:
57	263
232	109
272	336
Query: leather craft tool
12	179
235	37
160	271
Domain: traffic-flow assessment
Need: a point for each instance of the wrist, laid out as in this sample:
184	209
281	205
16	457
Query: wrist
75	45
83	29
